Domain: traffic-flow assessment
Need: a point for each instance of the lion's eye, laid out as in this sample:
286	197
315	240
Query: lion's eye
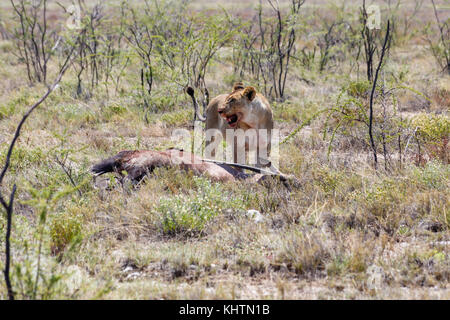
231	100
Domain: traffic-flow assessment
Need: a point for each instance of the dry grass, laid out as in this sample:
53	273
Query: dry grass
349	232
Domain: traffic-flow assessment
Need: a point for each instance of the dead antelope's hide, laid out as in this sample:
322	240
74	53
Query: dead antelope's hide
139	163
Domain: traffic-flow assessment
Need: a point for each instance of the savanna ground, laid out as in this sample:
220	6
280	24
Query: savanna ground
349	232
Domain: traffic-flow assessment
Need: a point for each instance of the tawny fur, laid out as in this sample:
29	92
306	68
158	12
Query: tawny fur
251	108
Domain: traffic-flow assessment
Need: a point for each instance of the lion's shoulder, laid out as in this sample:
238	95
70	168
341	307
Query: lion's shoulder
263	101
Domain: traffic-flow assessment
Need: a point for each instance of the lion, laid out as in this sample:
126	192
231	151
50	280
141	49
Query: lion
243	108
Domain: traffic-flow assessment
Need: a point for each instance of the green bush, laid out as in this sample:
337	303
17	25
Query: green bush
433	175
65	229
6	111
328	180
381	198
117	109
433	131
177	118
18	100
358	88
189	214
431	127
22	158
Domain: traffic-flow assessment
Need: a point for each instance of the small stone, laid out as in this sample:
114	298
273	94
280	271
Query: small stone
133	276
255	215
128	269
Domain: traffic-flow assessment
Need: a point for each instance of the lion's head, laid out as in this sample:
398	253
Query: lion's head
236	104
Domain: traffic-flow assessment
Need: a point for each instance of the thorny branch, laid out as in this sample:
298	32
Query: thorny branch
8	205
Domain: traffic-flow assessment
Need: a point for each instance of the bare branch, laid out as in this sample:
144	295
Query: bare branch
8	206
383	51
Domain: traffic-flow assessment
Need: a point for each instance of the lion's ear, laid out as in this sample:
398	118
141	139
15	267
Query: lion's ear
250	93
238	85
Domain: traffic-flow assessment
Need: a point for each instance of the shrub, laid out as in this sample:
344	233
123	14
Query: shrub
304	253
382	198
117	109
432	127
190	214
6	111
328	180
358	89
65	229
349	116
15	104
439	48
433	131
433	175
177	118
22	158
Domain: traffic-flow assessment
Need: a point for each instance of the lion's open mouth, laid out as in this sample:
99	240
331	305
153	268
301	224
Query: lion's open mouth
232	119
